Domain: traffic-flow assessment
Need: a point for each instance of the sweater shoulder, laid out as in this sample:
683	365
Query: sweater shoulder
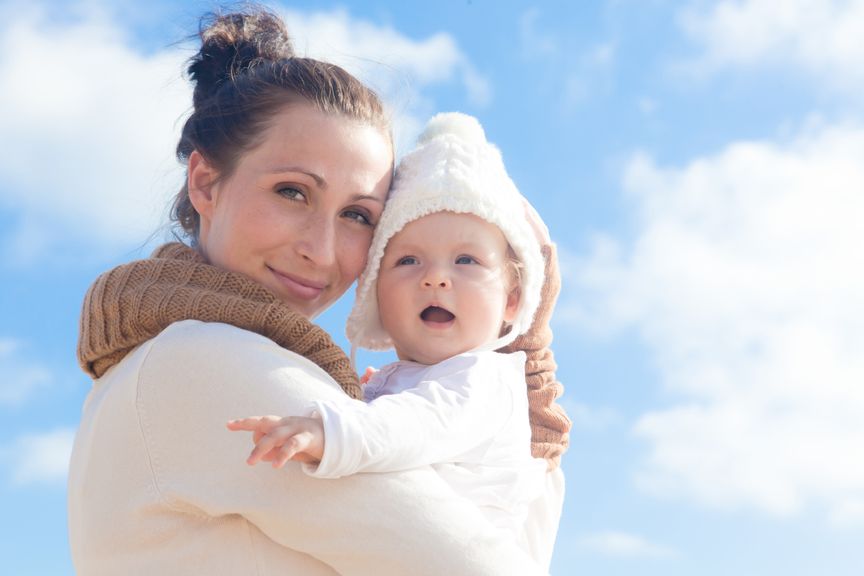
210	371
216	343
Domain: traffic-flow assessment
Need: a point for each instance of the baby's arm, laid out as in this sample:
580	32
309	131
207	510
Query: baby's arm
279	440
456	406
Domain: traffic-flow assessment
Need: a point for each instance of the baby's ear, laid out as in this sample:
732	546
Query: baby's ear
512	306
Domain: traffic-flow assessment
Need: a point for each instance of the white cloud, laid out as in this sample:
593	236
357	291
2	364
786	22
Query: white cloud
19	378
849	514
94	123
40	458
823	37
744	278
364	47
534	42
590	418
623	544
585	71
646	105
397	66
593	74
90	121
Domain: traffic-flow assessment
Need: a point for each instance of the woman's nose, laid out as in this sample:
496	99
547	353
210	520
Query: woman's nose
316	242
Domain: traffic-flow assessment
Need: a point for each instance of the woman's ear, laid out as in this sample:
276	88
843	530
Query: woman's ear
200	179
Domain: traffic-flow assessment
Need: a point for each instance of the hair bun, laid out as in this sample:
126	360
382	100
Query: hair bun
235	42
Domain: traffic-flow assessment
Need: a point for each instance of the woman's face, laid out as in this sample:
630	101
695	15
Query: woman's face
298	211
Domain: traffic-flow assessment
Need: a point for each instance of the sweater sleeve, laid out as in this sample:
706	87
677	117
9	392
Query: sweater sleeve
550	426
462	404
198	376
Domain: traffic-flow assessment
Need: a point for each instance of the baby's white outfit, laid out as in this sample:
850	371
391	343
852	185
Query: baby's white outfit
467	416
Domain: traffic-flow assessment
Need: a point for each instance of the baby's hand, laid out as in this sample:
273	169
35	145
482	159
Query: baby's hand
370	371
278	440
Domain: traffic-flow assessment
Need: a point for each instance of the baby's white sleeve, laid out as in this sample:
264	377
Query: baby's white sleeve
435	421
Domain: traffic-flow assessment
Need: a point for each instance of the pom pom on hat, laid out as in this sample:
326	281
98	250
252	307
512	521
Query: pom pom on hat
466	128
453	168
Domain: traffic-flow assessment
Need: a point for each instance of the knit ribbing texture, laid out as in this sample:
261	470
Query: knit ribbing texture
134	302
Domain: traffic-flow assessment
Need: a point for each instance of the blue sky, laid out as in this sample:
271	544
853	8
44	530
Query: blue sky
698	163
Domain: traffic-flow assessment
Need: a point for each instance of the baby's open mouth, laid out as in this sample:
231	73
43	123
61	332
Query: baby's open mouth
436	314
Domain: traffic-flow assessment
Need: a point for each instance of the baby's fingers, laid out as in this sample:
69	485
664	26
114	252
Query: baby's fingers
261	424
261	450
279	437
245	424
370	371
283	454
293	448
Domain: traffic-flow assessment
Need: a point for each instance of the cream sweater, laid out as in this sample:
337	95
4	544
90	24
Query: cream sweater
157	485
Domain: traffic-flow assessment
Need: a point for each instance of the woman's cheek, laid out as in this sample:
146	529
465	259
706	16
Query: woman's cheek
353	252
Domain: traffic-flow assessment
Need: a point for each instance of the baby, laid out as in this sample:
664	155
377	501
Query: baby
454	274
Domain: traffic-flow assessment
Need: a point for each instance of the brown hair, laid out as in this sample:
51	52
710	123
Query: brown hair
244	73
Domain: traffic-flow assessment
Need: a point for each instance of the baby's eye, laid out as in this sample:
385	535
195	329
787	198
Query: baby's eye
465	259
291	193
407	261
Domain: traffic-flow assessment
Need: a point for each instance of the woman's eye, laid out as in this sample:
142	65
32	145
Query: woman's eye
291	193
466	260
357	216
406	261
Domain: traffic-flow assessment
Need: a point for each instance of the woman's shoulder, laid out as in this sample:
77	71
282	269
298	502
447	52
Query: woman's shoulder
190	336
220	356
195	341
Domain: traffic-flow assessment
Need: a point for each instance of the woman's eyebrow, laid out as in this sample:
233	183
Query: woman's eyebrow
318	179
358	197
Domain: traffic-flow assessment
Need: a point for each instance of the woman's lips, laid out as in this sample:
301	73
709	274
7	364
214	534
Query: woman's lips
299	287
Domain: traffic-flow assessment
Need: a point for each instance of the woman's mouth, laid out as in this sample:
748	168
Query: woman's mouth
301	288
436	316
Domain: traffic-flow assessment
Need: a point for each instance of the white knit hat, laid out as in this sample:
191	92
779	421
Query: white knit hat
453	168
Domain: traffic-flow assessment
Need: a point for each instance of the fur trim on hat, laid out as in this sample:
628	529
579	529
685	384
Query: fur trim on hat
453	168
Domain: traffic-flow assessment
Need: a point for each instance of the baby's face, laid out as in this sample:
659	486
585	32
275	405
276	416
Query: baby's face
444	286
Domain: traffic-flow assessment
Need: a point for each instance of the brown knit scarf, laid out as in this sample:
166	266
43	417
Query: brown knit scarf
134	302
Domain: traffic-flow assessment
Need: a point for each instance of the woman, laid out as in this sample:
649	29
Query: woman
288	165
